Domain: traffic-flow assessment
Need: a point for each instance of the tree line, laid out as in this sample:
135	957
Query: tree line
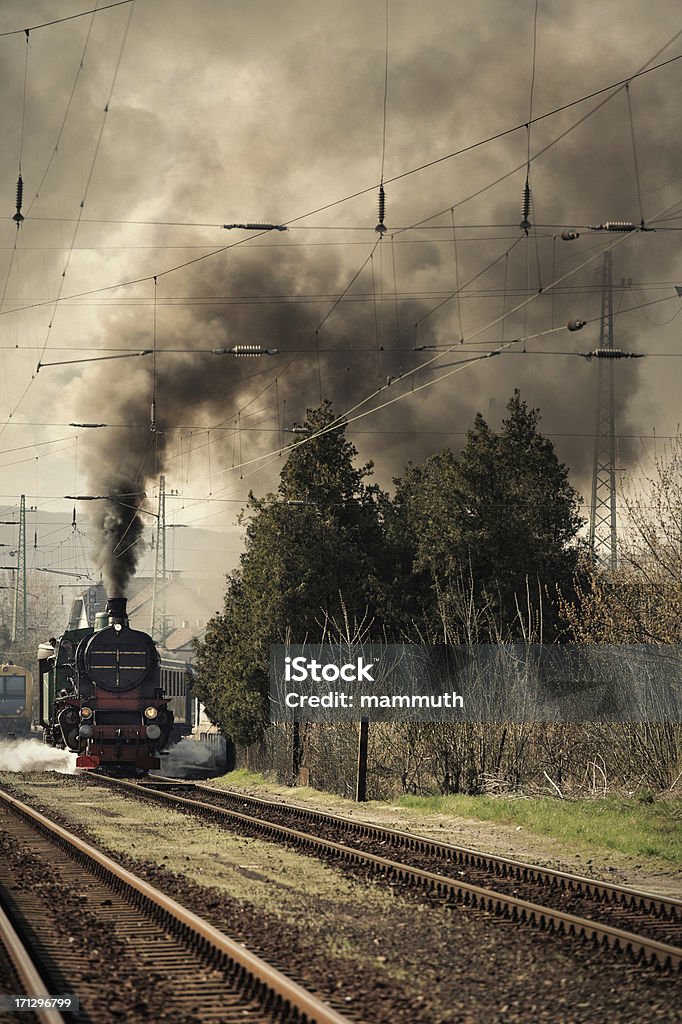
480	546
484	546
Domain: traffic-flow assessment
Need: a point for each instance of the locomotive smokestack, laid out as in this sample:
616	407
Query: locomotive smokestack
116	607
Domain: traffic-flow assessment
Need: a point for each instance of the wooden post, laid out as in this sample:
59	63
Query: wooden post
295	749
361	790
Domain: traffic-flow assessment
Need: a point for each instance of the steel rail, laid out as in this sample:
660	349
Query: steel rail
663	906
26	971
273	987
518	910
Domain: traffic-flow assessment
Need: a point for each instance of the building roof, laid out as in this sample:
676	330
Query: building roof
182	637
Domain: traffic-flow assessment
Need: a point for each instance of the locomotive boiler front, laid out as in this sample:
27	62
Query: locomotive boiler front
117	658
124	718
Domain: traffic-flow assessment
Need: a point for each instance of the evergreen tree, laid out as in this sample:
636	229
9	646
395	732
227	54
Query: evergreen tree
501	519
315	554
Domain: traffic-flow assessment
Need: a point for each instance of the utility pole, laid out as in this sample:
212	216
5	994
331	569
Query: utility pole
158	623
603	539
20	624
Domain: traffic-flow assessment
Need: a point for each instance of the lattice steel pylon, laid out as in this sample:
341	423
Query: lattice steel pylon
603	540
20	620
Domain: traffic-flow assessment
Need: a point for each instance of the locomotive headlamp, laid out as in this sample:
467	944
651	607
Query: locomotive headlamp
86	732
153	732
150	712
86	712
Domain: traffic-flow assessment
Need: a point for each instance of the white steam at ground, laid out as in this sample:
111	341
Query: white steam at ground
186	756
34	756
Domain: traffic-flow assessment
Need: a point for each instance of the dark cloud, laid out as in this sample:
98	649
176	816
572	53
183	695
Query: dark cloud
263	111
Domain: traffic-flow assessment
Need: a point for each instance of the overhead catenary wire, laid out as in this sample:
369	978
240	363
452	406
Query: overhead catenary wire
55	302
346	418
634	153
614	89
414	170
71	17
67	110
644	70
381	227
525	224
451	349
23	116
446	348
317	336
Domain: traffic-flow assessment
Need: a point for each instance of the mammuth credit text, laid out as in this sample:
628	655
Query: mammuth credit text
412	700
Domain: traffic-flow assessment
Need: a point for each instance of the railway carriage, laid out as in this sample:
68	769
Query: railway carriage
101	695
16	700
176	681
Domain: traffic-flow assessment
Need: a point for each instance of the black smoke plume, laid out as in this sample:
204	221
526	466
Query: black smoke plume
118	530
464	77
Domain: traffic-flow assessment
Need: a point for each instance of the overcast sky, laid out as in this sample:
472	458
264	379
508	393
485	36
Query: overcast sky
233	112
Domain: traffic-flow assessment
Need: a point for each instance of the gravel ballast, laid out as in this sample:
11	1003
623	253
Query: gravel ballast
387	956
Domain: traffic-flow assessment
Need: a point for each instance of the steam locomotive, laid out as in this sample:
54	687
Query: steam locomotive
100	694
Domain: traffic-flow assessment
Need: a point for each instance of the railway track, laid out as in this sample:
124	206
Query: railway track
20	978
191	972
646	926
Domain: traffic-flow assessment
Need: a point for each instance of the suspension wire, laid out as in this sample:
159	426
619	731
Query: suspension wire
189	454
526	309
5	376
377	337
395	289
109	97
383	141
526	203
553	293
634	152
414	356
23	105
18	218
346	417
67	110
536	245
381	227
42	180
58	21
154	311
311	337
88	182
532	77
457	292
430	313
613	88
504	295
